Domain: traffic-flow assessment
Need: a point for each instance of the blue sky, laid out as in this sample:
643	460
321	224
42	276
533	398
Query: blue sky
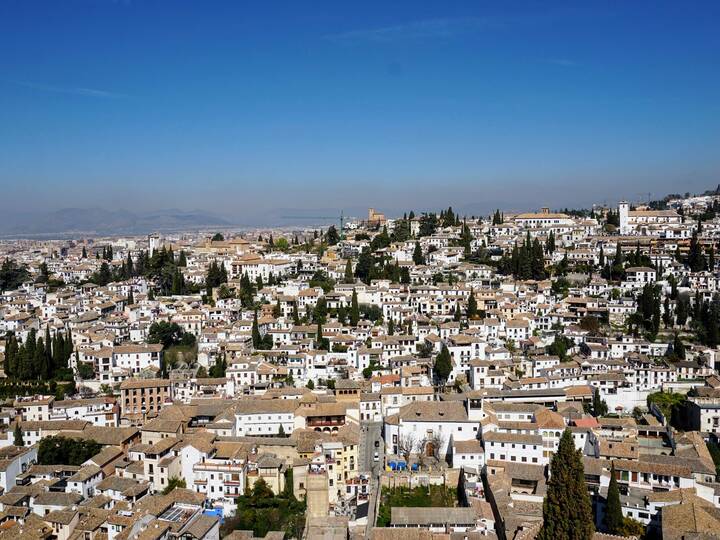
244	107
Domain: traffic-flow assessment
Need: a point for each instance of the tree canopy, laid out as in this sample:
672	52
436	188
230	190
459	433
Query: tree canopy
567	513
65	451
12	275
169	334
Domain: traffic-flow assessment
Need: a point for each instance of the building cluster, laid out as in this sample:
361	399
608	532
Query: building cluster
341	366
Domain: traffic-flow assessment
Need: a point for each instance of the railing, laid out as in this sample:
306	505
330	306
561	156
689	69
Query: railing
317	423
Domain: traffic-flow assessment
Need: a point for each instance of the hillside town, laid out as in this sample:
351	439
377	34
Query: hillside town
425	376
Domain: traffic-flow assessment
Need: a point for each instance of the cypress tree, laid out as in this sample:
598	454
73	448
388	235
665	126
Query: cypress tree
129	266
354	309
178	283
613	518
679	348
68	347
256	338
277	309
24	363
418	257
18	436
443	364
472	305
696	260
40	367
31	344
349	278
567	514
321	341
537	262
48	349
10	361
59	351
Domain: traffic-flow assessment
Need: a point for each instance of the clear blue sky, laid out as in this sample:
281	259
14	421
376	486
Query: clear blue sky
247	106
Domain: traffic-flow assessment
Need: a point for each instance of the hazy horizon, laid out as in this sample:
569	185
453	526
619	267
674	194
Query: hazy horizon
245	110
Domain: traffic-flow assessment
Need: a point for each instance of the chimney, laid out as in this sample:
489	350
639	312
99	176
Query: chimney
545	210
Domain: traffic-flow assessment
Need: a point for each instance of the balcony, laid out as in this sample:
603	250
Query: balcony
325	422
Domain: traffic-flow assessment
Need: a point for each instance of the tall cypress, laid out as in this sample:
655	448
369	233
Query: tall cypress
256	337
472	305
613	518
354	309
58	348
567	514
31	344
48	349
321	341
68	347
418	257
443	365
39	362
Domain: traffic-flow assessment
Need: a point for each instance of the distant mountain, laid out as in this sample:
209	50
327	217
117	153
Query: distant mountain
108	222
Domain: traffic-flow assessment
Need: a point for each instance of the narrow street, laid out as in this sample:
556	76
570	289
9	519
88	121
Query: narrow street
371	442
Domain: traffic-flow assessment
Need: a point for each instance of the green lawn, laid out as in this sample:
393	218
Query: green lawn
431	496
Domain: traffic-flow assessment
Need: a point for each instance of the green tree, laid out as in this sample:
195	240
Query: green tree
599	406
320	310
310	384
559	347
428	224
322	280
256	337
103	276
613	517
349	278
277	309
60	450
443	364
18	436
219	368
331	236
85	371
354	309
218	237
472	309
418	257
321	342
201	373
682	309
174	482
365	267
679	348
567	513
169	334
696	259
